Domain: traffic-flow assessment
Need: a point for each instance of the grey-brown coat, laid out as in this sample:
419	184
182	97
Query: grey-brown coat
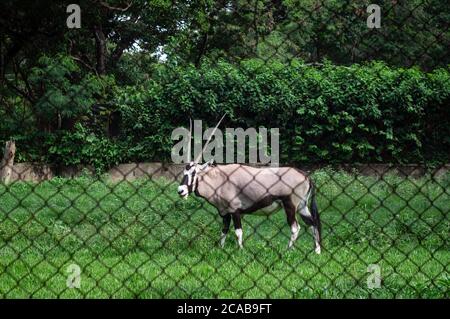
237	189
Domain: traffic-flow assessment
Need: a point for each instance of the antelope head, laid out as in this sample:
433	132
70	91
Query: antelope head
190	179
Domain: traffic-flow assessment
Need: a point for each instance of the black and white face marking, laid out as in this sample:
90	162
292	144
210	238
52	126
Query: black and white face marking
189	180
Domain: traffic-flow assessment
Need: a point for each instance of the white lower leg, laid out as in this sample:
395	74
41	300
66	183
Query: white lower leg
316	235
295	229
317	250
239	236
223	237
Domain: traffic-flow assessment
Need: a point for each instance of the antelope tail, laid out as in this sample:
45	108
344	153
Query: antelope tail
314	210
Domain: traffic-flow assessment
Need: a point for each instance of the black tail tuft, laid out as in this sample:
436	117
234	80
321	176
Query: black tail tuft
315	211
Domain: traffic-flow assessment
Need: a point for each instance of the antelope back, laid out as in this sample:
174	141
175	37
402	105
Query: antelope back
227	182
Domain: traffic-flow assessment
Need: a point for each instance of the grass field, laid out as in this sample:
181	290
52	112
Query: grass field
138	239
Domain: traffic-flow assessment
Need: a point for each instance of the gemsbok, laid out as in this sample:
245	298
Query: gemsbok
236	189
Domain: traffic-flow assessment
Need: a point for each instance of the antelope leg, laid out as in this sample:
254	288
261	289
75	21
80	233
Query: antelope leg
238	228
295	229
289	208
226	228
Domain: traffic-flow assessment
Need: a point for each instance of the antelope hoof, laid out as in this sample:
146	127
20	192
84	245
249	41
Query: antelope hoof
317	250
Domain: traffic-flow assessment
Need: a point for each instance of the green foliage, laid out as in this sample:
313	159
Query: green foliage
83	147
328	114
333	114
67	91
138	61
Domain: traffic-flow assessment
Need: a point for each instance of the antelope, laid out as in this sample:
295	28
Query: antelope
236	189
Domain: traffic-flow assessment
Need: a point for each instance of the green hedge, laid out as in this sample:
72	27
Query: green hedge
364	113
328	114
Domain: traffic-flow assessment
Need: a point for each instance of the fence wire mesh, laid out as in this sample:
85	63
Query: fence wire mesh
75	222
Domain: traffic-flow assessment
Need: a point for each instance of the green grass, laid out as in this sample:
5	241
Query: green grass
138	239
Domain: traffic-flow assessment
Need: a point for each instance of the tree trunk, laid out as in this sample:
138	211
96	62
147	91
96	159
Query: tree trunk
202	49
2	59
6	167
100	43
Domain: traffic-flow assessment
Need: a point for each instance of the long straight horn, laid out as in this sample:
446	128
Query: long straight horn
209	139
189	140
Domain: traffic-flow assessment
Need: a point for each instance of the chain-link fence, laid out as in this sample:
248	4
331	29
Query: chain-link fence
384	234
92	204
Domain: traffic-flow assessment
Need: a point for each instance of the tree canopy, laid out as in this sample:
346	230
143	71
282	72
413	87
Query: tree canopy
53	77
